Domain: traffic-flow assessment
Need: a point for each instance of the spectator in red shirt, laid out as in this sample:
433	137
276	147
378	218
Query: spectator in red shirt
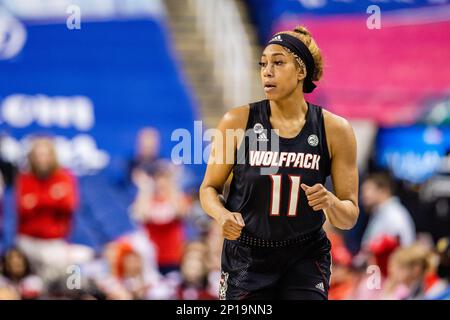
46	195
46	199
160	206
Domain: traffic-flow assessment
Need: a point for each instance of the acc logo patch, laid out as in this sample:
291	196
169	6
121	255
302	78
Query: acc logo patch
258	128
313	140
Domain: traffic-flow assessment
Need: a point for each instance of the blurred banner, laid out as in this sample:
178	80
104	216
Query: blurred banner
91	74
391	74
413	153
268	13
93	87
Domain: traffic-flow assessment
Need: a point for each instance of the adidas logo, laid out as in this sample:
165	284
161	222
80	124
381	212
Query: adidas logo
277	38
262	137
320	286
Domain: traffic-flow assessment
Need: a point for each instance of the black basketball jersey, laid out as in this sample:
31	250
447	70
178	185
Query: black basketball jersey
265	187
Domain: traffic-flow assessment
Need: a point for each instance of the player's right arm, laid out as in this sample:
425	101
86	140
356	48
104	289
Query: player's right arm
221	162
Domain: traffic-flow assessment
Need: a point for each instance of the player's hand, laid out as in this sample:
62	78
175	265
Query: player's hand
231	224
319	198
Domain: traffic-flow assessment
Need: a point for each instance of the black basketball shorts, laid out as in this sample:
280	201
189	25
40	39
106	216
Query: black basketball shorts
297	272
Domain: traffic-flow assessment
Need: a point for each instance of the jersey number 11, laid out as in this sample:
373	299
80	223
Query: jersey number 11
276	195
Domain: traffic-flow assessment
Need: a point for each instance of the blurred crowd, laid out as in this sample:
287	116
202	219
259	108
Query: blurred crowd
397	258
174	253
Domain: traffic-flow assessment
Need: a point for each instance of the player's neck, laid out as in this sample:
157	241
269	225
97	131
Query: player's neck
292	107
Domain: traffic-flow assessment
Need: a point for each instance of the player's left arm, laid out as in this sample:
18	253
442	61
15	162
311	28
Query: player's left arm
341	207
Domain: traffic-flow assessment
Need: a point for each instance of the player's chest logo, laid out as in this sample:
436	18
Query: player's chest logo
313	140
261	135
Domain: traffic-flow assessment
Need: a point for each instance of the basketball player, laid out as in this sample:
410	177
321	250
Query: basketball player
275	246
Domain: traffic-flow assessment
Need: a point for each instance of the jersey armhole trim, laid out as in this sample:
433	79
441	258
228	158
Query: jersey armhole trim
325	140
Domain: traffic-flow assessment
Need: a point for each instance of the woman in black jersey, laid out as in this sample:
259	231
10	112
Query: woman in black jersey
280	152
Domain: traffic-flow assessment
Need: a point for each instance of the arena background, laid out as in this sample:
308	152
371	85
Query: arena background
96	75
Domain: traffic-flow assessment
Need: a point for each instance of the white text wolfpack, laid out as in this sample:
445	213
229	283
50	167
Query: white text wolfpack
284	159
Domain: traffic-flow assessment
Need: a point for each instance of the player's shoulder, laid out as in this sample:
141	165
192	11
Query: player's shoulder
236	117
335	123
339	132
